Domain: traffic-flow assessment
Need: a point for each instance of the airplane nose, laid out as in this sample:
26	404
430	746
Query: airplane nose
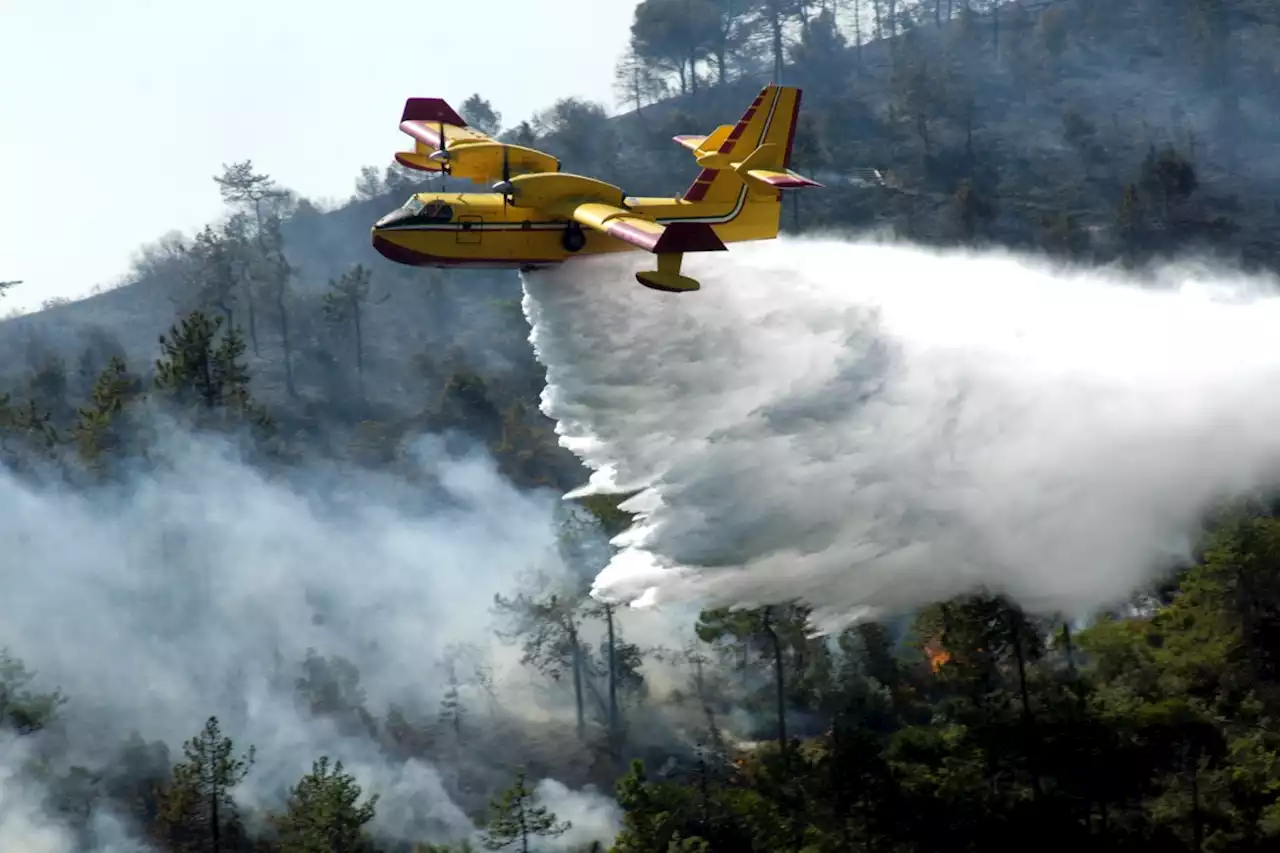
393	251
392	218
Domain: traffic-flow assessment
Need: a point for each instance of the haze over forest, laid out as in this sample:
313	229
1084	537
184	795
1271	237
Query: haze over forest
289	569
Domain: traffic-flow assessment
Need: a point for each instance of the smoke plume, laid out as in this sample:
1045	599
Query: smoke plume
871	427
198	589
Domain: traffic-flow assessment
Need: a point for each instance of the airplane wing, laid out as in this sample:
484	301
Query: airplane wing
444	142
640	231
588	202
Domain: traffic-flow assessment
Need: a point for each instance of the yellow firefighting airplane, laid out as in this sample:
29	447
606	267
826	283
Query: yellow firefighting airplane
538	216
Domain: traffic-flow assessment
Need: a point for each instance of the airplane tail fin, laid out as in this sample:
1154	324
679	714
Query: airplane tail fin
755	152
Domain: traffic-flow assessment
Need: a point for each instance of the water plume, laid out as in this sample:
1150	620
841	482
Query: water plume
869	427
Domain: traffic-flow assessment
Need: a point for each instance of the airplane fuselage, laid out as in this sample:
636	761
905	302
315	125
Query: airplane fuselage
480	230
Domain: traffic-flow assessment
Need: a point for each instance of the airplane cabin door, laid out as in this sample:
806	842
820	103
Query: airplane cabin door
470	228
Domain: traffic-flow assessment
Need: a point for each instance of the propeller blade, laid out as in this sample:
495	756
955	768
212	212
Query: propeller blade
444	150
506	177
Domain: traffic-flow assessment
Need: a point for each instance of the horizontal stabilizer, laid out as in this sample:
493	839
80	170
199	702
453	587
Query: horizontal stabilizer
690	142
702	145
787	180
418	162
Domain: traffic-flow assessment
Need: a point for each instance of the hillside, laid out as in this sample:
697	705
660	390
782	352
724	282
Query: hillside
321	517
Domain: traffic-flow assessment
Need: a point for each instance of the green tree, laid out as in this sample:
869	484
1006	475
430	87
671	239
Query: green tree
653	812
27	433
276	274
101	429
775	16
197	810
676	35
201	366
636	82
767	632
21	710
451	710
516	819
480	114
581	131
240	185
971	209
345	302
370	184
330	687
820	53
547	622
213	273
323	815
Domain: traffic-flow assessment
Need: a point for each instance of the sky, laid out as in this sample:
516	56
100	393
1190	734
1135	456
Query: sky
115	116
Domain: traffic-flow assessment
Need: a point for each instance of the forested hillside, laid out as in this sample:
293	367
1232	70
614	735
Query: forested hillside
227	477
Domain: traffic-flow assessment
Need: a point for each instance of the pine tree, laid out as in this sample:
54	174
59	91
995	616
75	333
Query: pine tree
516	819
197	812
97	430
322	815
345	302
451	703
201	370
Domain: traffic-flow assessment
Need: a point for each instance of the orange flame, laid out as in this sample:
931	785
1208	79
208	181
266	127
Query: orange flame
937	655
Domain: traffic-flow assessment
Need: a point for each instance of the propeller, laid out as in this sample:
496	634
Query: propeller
504	186
442	154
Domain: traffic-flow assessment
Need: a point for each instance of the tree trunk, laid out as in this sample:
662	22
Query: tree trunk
779	679
577	679
524	829
1027	721
248	281
1066	648
284	341
215	836
613	676
359	350
1197	819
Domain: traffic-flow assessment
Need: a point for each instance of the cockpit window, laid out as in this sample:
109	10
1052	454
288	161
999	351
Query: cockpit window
413	205
437	211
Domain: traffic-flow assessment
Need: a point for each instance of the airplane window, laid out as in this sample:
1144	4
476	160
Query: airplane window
437	211
413	205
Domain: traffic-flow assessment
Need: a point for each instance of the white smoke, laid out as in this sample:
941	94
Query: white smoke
197	588
872	427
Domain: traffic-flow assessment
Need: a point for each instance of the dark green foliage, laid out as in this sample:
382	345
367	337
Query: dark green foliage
21	710
99	432
345	303
516	820
197	809
202	367
330	687
480	114
322	814
982	728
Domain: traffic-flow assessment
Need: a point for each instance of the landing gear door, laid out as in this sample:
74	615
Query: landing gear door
470	228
